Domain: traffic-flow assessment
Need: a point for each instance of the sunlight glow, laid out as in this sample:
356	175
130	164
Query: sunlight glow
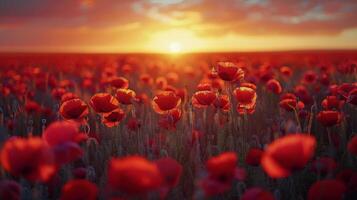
175	47
163	40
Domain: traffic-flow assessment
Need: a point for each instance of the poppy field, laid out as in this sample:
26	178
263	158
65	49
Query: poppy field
248	126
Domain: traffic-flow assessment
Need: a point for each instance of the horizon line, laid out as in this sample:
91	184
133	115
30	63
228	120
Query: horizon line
182	53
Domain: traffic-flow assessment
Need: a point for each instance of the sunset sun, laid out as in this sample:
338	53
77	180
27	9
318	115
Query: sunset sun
175	47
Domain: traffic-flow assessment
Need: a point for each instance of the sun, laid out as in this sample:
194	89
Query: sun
175	47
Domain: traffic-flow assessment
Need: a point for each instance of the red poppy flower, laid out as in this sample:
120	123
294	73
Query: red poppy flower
333	89
325	79
31	158
113	118
286	71
274	86
79	189
222	167
10	190
329	117
265	75
288	102
5	91
75	109
245	96
165	101
146	79
246	99
310	77
324	165
32	107
66	83
88	84
300	105
332	102
327	190
222	103
203	99
127	68
103	103
170	170
254	156
133	175
109	71
303	94
286	154
222	170
257	194
61	132
119	82
125	96
229	71
352	145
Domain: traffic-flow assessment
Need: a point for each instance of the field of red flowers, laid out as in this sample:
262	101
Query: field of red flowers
249	126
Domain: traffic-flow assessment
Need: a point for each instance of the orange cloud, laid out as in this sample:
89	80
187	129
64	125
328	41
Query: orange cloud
149	25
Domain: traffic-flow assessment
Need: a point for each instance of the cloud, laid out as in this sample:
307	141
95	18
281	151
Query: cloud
83	23
271	17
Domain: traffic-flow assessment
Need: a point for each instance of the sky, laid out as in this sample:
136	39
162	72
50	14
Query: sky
176	25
